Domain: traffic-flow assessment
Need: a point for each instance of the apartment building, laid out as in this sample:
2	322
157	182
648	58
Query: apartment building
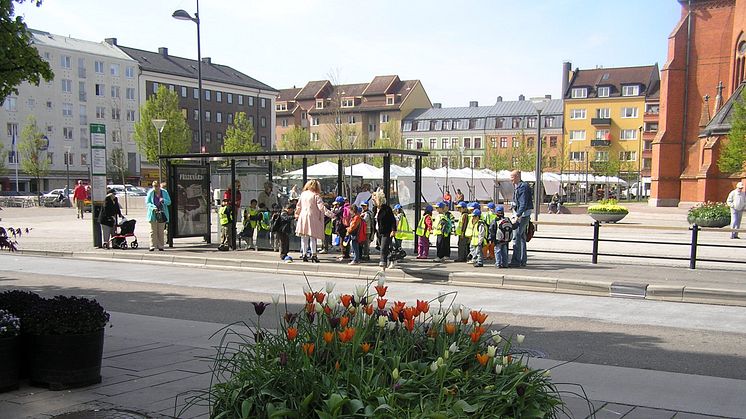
349	115
499	136
94	82
611	117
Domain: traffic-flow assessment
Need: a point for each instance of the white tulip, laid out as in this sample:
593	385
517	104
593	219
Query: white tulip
547	373
498	369
441	296
491	350
276	299
453	348
440	361
496	337
360	291
395	374
391	325
382	278
446	354
455	309
318	308
330	287
465	313
505	360
434	366
436	318
520	338
382	321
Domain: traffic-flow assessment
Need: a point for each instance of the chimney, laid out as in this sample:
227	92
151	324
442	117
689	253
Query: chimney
163	51
111	41
521	97
548	97
207	60
473	104
566	69
499	99
437	105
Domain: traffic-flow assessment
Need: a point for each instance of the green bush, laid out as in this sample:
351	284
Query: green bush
709	211
607	206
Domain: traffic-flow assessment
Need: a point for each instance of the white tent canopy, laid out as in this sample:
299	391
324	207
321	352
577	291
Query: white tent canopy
364	170
325	169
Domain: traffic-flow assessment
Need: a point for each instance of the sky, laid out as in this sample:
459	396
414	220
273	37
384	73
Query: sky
460	50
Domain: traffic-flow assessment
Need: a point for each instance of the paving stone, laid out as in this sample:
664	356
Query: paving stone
613	411
156	357
141	383
684	415
649	413
576	407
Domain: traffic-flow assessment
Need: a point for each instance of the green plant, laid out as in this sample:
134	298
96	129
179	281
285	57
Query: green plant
65	316
365	355
607	206
709	211
10	325
19	302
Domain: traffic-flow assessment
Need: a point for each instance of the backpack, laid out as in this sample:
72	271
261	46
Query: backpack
346	216
446	224
530	231
504	231
362	232
274	224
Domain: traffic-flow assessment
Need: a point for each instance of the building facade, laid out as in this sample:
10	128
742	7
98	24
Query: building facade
501	136
350	115
226	92
611	117
94	82
706	49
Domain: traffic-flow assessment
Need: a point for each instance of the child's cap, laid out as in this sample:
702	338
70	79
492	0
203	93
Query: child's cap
476	213
397	207
461	204
339	199
429	208
491	205
441	204
499	208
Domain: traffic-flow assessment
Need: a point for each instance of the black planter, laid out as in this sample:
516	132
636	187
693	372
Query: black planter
66	361
709	222
10	364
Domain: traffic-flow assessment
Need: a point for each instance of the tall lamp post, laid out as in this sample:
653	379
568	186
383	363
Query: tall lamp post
67	169
539	105
159	124
639	167
183	15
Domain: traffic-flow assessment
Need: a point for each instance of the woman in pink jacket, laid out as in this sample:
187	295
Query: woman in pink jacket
310	213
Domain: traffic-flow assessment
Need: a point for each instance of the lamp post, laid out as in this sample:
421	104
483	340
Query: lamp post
539	105
639	166
159	124
67	169
183	15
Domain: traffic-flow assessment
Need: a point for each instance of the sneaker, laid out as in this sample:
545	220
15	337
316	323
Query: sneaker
381	264
478	265
354	262
392	265
152	249
322	251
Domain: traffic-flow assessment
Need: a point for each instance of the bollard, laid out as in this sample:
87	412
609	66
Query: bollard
596	226
693	249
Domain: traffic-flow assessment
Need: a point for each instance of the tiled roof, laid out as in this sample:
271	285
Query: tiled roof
647	76
382	85
311	89
349	90
720	124
287	94
65	42
178	66
508	108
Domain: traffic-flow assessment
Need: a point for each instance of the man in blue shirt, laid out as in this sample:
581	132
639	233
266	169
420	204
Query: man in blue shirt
523	203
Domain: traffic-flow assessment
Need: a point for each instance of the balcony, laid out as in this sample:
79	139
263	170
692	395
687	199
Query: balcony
600	143
601	122
650	116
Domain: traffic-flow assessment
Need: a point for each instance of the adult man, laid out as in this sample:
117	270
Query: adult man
267	197
79	196
523	202
737	203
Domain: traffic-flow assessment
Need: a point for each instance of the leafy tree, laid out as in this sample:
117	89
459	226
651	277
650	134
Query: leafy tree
3	156
391	139
19	60
239	137
118	165
33	159
175	138
733	153
297	139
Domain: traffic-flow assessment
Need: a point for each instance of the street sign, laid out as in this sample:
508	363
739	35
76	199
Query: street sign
98	163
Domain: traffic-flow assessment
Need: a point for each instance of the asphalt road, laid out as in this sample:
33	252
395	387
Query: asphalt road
686	338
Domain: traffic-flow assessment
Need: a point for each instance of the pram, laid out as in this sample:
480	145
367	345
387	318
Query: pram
119	238
396	253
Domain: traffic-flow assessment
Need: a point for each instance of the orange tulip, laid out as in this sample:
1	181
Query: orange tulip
347	334
381	290
365	347
320	297
400	305
310	308
478	317
336	365
328	310
476	334
308	348
346	299
409	324
309	297
343	321
482	359
292	333
382	303
432	332
423	306
328	337
410	313
369	309
450	328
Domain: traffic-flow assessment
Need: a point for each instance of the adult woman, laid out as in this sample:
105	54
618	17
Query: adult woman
157	202
386	226
310	213
108	216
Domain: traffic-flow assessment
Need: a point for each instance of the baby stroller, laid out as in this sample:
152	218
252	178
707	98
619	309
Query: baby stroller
397	253
119	238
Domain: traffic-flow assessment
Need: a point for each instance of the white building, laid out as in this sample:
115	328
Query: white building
94	82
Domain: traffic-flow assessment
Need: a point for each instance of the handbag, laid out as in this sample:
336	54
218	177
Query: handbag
160	216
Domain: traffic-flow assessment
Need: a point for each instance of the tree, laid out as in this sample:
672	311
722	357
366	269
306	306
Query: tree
118	165
175	138
33	159
3	156
239	137
297	139
19	60
733	153
391	138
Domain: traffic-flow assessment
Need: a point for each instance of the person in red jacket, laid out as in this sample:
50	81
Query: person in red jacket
79	197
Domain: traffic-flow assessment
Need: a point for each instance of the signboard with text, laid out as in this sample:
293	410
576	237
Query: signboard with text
98	163
191	195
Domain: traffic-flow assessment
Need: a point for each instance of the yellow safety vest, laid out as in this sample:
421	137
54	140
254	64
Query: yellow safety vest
469	230
328	228
252	212
420	231
403	231
223	216
475	233
436	224
488	217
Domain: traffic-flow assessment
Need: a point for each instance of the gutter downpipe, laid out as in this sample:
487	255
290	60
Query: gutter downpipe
686	87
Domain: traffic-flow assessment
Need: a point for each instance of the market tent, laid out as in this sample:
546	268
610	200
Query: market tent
364	170
325	169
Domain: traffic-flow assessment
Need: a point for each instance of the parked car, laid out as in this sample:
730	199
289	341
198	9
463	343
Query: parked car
632	191
130	190
55	198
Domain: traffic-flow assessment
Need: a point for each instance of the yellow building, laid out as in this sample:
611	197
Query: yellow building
609	114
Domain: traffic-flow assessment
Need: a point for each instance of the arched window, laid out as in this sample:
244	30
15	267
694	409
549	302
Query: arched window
739	62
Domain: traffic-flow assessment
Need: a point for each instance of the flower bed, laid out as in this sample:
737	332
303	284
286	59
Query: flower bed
368	355
607	211
709	214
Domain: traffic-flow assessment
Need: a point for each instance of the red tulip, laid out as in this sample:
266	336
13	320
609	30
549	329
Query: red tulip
382	303
347	334
482	359
346	299
369	309
423	306
381	290
409	324
478	317
308	348
292	333
320	297
344	320
309	297
365	347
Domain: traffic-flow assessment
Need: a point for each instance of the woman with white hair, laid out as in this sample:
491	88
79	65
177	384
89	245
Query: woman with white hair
310	213
386	227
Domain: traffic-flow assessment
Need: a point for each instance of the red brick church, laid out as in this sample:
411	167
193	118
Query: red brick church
706	64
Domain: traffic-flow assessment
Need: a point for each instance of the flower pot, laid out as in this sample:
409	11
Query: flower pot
607	217
709	222
10	365
66	361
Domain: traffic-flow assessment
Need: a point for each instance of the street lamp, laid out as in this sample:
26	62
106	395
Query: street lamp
539	105
639	166
67	169
159	124
183	15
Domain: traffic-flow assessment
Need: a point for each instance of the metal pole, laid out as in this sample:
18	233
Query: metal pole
305	170
417	195
67	188
340	177
693	249
160	164
594	257
639	168
199	80
539	187
387	176
233	205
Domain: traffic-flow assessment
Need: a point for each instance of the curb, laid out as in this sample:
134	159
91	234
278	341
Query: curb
671	293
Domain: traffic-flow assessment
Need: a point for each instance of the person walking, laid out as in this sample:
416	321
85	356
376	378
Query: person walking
354	233
225	215
368	219
157	202
737	203
387	227
79	196
424	228
442	227
310	213
108	217
523	202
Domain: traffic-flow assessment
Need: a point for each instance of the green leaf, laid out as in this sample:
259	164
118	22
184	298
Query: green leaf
306	401
355	405
246	408
463	406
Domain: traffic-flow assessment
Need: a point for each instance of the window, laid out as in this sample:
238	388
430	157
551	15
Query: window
229	97
603	91
577	135
652	109
251	100
447	125
385	118
433	143
240	100
467	162
82	95
577	156
579	93
350	119
315	136
32	103
602	156
114	70
208	136
444	162
348	102
516	142
114	91
100	90
493	142
602	134
116	114
155	87
183	91
390	99
284	123
632	90
603	113
230	119
129	72
11	104
67	86
409	143
83	159
219	137
131	115
195	93
251	119
319	103
629	112
477	142
467	142
516	122
628	156
98	67
552	141
418	144
281	106
477	161
67	109
421	125
651	127
530	142
628	134
50	129
454	143
65	61
577	113
263	122
445	143
100	112
207	116
67	133
83	115
503	142
195	115
548	121
130	93
207	95
263	102
50	157
531	122
515	161
263	141
219	117
371	127
647	163
49	104
218	96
